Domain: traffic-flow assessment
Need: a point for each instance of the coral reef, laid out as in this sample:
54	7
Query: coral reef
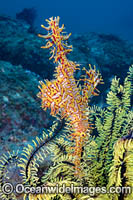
109	53
21	47
70	152
28	15
20	111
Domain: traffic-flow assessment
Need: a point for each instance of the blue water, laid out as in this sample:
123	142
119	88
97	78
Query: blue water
114	16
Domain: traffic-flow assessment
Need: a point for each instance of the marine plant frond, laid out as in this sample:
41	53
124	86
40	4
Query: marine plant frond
121	173
130	76
128	123
127	88
111	124
60	147
61	160
119	95
48	196
96	110
61	170
6	161
55	195
88	163
35	155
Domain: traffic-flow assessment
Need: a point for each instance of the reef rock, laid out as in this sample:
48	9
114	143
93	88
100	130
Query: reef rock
111	55
19	46
21	117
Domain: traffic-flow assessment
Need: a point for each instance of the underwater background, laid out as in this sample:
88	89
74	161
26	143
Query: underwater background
80	16
102	35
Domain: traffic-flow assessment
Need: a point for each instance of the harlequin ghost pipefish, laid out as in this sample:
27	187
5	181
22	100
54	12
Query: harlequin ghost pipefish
63	94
